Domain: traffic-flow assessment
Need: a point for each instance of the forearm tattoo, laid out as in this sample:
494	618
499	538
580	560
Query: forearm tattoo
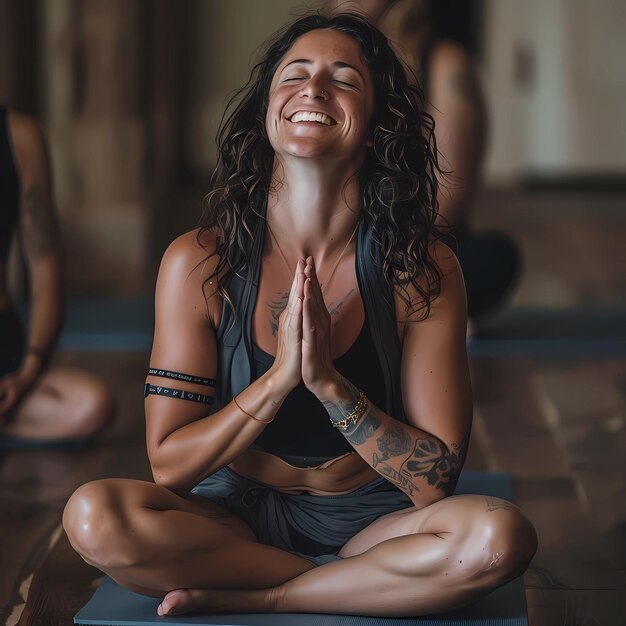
357	434
431	459
395	442
426	458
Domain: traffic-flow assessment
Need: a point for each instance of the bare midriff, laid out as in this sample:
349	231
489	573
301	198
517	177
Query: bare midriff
336	476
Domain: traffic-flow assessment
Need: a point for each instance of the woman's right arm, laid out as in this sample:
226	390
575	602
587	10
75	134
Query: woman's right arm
185	444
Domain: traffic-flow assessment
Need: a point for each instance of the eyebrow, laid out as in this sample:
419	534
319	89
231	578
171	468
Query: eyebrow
339	64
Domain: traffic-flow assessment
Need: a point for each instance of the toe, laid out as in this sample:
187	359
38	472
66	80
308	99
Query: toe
174	603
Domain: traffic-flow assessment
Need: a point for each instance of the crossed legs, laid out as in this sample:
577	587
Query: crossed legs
201	557
65	404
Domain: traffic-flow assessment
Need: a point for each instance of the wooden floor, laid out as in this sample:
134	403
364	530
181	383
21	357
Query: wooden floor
559	426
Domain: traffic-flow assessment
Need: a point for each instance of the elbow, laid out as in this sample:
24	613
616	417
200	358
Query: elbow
431	492
171	482
167	475
426	498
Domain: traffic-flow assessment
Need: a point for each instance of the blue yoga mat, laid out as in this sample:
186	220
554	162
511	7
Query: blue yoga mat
113	605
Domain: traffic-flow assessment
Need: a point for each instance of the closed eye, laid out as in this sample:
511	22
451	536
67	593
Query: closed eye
295	78
343	82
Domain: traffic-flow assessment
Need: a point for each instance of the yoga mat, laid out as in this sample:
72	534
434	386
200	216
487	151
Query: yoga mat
113	605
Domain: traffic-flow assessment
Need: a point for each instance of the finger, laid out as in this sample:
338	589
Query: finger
300	276
295	320
295	309
309	318
315	293
293	289
317	287
296	284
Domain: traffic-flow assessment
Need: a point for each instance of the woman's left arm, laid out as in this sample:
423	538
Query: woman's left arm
424	457
39	237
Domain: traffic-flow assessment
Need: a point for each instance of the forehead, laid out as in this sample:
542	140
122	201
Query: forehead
325	44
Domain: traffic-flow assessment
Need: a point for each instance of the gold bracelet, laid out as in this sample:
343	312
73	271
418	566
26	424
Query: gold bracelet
249	414
355	415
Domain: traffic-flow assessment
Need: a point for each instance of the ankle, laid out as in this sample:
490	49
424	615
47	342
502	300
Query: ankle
276	599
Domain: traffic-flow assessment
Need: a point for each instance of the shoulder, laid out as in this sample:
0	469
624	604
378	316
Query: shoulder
451	295
189	250
452	287
451	69
187	270
443	257
27	139
447	56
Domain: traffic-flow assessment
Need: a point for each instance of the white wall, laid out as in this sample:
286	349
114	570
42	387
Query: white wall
570	118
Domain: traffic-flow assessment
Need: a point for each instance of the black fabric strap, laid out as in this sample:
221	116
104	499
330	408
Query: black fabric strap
178	394
188	378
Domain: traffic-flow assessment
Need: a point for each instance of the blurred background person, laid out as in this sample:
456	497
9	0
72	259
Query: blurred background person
447	74
38	405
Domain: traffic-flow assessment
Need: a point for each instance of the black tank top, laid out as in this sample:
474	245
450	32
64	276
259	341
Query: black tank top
373	363
302	426
9	188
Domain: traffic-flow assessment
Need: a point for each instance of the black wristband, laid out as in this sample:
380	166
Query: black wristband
188	378
177	394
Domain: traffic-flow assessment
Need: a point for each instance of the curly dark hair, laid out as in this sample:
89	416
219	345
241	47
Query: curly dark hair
397	180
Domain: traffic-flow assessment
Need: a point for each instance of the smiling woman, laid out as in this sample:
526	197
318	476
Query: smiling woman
318	313
321	99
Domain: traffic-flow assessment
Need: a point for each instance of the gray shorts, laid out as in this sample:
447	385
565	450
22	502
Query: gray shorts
313	527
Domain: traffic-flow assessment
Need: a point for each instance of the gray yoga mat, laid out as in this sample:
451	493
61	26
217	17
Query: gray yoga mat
113	605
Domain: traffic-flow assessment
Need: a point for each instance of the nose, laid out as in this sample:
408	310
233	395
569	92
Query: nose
315	89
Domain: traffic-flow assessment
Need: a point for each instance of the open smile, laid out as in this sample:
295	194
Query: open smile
312	116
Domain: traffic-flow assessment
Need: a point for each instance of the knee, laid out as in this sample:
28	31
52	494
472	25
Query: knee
96	407
504	545
94	522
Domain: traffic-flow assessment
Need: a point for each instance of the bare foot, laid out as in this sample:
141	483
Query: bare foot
181	601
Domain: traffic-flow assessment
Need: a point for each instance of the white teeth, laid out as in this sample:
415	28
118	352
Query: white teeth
310	116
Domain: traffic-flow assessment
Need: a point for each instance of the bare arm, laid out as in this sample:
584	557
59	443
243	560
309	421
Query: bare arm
424	457
185	443
455	101
39	237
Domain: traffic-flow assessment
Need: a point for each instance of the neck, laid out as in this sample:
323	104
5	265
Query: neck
313	208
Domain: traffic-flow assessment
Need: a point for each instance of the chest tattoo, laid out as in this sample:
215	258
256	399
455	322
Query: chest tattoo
277	306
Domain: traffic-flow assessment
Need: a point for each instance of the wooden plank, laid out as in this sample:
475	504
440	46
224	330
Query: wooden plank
520	440
583	406
27	533
34	486
62	584
573	553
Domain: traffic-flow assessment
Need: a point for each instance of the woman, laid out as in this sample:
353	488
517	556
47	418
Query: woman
39	406
337	456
